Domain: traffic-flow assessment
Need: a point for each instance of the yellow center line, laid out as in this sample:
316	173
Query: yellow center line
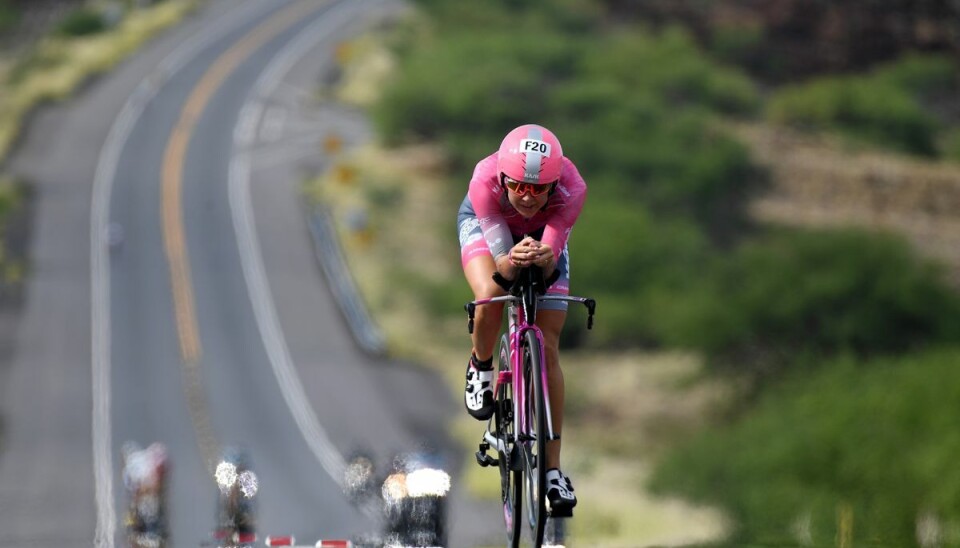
171	180
172	172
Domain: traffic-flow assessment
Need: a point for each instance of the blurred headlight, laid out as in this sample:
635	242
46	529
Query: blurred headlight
394	488
427	482
225	475
248	483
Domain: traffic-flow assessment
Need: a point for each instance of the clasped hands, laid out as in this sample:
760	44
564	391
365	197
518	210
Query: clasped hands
530	252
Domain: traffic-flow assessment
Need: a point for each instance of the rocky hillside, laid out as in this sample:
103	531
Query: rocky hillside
816	181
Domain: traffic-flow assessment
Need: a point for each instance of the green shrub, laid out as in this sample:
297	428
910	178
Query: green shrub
870	110
636	266
437	96
737	42
876	440
920	75
442	299
796	296
670	65
82	22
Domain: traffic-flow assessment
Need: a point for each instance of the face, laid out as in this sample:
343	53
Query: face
522	196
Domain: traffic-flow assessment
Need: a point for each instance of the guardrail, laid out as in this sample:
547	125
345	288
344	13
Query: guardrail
327	249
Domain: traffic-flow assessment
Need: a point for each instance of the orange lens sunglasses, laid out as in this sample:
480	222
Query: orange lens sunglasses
523	188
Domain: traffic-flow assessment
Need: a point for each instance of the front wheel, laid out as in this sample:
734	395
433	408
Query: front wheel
511	471
534	436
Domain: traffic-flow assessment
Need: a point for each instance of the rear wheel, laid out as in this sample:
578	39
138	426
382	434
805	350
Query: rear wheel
511	471
535	441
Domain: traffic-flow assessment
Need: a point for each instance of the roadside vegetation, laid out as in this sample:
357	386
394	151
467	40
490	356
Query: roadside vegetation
810	354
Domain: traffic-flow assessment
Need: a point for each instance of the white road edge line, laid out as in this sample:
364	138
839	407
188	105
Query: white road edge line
104	178
249	244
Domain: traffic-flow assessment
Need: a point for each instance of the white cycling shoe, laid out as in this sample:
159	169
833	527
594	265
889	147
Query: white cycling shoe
560	494
478	393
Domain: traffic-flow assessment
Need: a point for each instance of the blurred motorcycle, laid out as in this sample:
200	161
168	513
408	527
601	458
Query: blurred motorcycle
412	498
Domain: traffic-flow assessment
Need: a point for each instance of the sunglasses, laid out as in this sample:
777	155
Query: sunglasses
523	188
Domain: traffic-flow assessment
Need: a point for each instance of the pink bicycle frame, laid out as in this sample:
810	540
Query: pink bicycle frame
517	328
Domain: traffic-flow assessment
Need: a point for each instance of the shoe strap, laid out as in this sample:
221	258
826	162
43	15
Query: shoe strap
482	375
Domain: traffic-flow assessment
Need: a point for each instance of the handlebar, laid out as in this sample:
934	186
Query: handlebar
533	276
471	307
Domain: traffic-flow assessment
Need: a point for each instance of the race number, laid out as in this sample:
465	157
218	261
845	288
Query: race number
533	145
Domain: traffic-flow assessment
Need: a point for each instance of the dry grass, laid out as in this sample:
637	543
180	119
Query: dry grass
366	64
58	65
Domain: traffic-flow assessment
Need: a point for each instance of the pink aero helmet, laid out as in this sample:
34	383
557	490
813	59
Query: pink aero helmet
531	154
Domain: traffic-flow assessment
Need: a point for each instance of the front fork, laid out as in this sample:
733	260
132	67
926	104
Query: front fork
519	406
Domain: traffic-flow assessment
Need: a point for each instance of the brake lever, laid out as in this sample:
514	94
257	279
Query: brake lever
471	309
591	310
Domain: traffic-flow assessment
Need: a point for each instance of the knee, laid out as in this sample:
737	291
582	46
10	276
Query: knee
487	289
551	348
490	312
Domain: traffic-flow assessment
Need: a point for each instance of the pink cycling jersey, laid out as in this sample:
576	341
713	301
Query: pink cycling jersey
500	222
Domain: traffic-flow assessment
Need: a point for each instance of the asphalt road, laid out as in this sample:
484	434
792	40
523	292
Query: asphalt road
211	324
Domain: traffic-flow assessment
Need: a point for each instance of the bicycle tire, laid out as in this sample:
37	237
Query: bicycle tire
511	476
535	469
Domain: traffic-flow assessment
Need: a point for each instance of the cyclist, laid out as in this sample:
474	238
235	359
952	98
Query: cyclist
145	477
521	205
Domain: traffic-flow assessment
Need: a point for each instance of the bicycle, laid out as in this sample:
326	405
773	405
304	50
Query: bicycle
521	424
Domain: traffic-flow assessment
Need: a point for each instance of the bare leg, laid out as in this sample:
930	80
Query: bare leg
479	273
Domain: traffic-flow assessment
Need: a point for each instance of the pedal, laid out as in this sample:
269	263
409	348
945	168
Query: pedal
483	459
561	512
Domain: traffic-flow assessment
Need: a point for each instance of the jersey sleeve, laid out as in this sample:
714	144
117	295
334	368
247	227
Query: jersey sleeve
486	194
573	191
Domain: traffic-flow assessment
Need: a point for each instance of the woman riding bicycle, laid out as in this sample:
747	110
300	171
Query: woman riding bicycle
522	204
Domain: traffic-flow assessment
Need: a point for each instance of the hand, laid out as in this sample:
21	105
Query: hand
531	252
544	255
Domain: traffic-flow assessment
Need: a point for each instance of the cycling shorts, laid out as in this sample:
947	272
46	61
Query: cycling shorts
473	244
